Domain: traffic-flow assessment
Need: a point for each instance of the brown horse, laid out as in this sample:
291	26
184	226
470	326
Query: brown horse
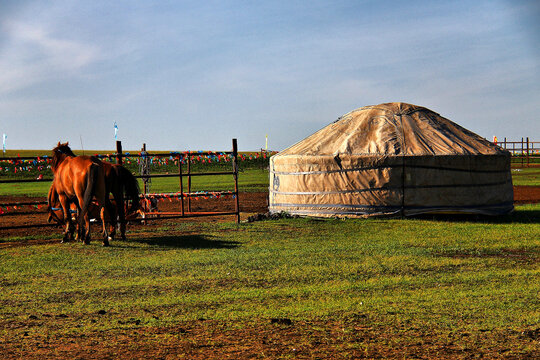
118	180
56	213
79	178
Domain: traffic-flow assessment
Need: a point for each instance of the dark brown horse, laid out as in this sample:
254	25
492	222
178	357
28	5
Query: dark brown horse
118	180
76	180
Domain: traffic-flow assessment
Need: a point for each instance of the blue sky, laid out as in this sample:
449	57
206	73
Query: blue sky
181	75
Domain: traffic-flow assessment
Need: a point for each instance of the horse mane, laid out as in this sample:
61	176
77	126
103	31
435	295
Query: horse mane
60	152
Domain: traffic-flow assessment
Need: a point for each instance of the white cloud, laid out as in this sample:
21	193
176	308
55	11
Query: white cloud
32	54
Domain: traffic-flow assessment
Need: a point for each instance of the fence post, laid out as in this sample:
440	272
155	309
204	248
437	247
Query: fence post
235	174
522	148
504	143
119	152
144	179
181	184
189	180
527	151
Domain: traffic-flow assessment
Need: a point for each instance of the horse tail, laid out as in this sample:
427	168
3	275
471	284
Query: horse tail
131	187
53	204
52	198
91	180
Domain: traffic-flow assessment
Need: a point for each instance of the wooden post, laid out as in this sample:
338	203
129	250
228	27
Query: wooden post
522	148
527	151
143	152
504	143
181	185
235	174
189	180
119	152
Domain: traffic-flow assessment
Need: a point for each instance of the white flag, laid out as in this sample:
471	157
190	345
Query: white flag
115	131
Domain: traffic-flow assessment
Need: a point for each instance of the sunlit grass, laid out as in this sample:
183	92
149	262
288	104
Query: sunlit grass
526	176
443	273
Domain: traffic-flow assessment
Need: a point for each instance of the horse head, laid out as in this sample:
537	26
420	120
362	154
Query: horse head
60	152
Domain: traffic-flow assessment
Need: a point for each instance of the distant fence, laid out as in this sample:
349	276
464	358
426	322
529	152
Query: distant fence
185	157
525	153
180	158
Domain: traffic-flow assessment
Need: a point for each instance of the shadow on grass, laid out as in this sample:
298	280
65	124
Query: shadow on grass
187	242
521	216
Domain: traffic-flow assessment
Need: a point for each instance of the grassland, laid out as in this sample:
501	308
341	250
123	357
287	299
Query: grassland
526	176
468	274
430	287
438	275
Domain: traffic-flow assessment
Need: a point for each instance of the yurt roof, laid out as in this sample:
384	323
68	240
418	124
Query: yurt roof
393	129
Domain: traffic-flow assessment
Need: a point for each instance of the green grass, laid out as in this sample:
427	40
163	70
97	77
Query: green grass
526	176
248	180
453	275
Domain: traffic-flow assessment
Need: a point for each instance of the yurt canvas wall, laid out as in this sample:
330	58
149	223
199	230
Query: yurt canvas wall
393	158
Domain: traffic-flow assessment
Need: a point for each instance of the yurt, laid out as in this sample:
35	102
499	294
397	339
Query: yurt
392	158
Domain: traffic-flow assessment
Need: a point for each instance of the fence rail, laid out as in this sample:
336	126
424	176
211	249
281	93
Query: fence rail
181	175
184	197
525	153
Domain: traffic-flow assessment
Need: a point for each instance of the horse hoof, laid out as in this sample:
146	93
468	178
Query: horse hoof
124	238
106	243
86	242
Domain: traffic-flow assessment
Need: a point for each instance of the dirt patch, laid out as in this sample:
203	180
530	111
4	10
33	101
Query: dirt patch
250	203
526	194
519	256
353	338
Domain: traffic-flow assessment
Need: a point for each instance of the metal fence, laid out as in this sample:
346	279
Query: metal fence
525	153
183	159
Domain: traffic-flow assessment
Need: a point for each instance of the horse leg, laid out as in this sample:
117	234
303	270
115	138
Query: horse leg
87	232
83	223
106	237
104	213
68	233
119	200
101	194
112	217
72	233
80	236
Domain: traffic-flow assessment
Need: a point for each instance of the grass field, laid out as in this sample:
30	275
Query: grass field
526	176
450	274
447	287
435	275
